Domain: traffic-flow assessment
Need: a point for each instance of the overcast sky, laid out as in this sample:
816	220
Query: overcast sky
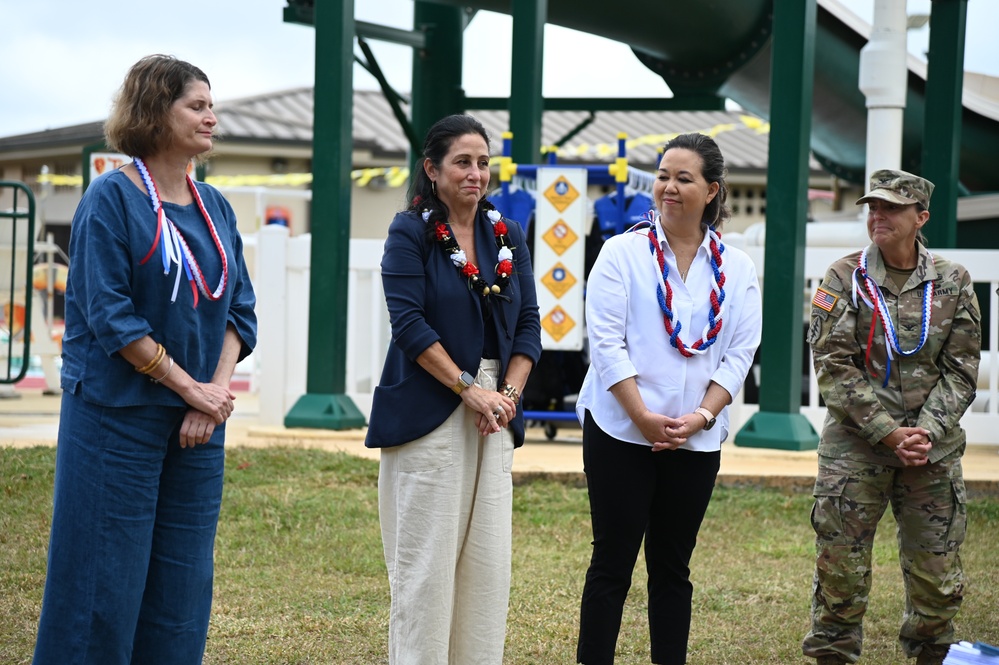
61	61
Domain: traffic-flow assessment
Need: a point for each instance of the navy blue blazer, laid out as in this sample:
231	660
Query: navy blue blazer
429	301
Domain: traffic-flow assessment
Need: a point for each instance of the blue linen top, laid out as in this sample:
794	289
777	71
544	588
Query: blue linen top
112	300
428	302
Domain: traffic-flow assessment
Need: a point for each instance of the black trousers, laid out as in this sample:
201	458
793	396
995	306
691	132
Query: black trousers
635	494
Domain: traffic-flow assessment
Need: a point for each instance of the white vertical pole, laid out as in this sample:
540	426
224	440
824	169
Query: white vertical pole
883	73
994	345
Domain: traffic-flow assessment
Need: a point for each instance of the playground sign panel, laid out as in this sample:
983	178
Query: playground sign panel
102	162
559	256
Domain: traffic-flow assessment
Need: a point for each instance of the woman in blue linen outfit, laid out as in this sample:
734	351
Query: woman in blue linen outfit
653	403
147	360
465	335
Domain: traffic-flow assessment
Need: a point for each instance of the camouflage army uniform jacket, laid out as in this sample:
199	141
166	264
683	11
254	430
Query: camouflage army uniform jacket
930	389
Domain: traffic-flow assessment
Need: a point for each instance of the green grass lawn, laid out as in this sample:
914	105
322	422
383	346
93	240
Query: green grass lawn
300	576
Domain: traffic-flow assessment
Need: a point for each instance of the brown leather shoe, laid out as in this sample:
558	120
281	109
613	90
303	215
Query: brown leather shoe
831	660
932	654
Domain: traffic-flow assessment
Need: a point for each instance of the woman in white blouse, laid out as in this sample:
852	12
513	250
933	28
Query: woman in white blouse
673	319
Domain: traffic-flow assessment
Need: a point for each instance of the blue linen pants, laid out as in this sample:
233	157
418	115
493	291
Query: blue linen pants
133	531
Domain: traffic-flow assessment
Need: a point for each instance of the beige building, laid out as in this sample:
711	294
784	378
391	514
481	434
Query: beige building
264	159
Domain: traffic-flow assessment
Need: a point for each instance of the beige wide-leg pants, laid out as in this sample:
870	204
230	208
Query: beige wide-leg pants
445	504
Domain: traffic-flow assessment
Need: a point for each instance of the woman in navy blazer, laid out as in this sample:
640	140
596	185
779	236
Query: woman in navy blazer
465	335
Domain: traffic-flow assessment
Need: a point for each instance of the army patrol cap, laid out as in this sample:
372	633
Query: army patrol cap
898	187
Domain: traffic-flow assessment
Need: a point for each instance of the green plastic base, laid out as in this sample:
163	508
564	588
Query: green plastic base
324	412
783	431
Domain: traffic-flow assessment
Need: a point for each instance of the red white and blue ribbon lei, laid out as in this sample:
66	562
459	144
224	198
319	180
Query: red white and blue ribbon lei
664	294
877	303
174	249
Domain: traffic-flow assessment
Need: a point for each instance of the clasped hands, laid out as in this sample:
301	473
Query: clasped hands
494	410
912	445
665	433
211	405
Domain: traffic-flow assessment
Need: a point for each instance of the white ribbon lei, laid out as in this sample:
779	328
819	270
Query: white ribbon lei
175	250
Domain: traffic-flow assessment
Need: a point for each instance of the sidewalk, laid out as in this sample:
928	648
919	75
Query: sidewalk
33	418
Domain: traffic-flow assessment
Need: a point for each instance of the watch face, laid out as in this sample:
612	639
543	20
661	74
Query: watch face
464	380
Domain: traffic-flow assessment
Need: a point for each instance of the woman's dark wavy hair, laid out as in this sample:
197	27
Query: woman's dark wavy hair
712	168
138	123
439	140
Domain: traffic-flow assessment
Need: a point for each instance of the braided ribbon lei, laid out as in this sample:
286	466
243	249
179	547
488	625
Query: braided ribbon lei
664	294
880	308
175	249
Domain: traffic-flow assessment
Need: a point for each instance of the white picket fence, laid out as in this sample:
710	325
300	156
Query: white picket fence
282	285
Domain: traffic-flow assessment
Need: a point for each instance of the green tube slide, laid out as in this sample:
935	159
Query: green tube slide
723	47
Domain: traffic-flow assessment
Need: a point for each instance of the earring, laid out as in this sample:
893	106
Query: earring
433	187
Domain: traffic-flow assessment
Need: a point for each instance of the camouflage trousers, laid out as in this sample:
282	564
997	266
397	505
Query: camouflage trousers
929	506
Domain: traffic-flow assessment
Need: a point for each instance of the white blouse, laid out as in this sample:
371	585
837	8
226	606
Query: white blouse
627	336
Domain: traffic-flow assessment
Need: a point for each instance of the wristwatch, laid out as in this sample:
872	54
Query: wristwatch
707	416
464	381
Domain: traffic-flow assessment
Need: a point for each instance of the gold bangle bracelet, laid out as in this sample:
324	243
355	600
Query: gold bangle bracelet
156	366
155	362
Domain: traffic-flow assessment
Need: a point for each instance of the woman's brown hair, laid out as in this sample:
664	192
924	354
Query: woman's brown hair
138	123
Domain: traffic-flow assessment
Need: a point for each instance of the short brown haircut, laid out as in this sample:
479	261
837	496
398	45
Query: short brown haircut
137	125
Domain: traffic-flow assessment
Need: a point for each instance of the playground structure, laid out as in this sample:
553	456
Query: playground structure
705	53
557	220
27	289
768	55
283	273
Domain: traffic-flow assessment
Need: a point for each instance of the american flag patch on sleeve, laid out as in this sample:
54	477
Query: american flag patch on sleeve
824	300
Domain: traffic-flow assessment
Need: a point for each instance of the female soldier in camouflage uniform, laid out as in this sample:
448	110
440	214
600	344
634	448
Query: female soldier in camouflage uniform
896	338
